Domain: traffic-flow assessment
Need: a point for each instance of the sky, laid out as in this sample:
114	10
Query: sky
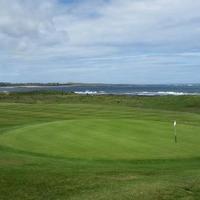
100	41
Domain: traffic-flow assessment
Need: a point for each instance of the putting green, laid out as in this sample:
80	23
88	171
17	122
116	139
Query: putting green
106	139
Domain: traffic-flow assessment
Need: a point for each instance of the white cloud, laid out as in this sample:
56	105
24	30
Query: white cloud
41	32
27	25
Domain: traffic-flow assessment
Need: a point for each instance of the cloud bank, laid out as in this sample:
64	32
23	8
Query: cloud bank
112	41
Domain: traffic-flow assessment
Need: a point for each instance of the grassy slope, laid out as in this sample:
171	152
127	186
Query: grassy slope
175	103
28	174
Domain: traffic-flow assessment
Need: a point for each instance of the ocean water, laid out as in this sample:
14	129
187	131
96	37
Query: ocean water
98	89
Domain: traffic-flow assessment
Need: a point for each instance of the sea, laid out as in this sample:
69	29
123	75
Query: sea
112	89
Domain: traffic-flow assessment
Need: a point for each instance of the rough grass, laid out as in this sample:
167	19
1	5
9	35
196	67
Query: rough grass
178	103
55	146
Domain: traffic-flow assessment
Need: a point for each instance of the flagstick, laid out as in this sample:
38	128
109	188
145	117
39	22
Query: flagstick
175	137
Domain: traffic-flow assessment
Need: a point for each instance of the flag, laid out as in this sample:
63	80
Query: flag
174	123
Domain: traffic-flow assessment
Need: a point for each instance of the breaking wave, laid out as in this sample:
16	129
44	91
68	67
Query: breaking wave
159	93
90	92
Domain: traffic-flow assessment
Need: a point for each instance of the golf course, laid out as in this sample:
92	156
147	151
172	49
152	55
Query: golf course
56	146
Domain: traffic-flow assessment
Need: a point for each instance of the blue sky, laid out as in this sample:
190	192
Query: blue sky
105	41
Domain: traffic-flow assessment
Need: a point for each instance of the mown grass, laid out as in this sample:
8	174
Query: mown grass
35	163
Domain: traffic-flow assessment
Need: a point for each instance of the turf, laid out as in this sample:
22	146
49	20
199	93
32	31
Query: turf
98	150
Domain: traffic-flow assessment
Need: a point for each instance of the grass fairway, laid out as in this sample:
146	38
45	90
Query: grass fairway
85	150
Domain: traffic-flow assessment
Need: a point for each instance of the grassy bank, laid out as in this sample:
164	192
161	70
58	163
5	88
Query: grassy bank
176	103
